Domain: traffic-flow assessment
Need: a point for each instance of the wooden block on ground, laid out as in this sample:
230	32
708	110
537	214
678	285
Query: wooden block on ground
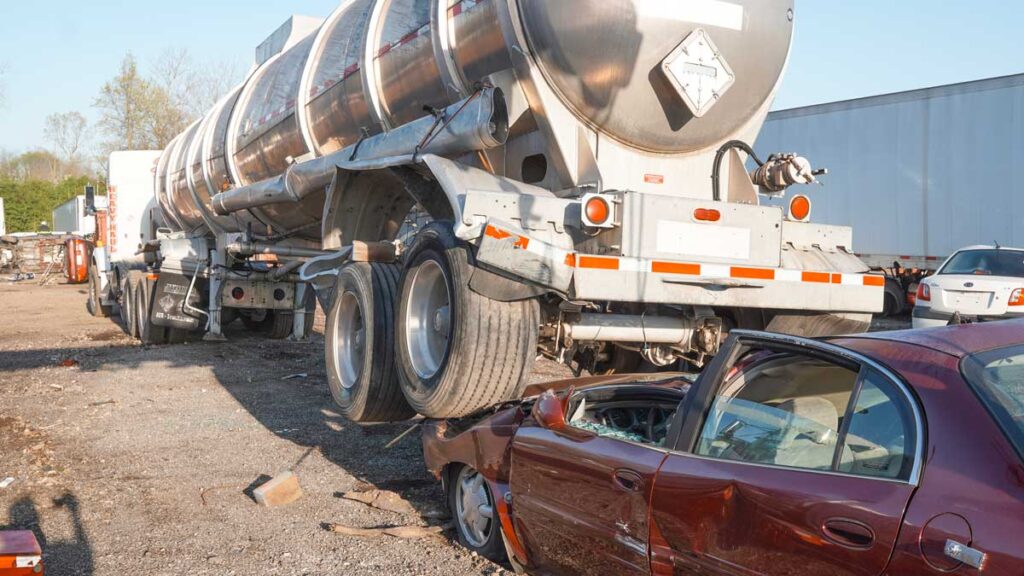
281	490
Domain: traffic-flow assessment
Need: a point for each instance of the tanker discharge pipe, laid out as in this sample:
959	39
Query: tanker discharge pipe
478	122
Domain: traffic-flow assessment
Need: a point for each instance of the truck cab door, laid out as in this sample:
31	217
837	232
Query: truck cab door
795	457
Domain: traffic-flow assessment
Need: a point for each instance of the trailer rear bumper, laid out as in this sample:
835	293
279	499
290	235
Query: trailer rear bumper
604	278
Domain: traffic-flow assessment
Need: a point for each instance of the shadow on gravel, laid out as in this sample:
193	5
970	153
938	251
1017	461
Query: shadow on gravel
71	557
283	385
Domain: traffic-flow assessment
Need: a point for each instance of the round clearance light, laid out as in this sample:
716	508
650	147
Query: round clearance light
238	293
279	294
800	208
598	211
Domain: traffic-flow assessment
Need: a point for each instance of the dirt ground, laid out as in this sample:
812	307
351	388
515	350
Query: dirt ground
135	460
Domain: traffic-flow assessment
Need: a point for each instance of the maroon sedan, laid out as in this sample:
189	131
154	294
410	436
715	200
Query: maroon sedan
895	453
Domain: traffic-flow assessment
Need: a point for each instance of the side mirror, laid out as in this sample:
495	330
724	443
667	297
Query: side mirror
90	200
549	411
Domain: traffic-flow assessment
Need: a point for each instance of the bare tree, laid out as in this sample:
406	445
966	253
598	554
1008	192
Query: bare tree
194	88
67	133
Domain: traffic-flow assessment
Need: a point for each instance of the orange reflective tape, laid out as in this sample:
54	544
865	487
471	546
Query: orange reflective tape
874	281
496	233
570	260
753	273
675	268
837	278
522	242
597	263
818	277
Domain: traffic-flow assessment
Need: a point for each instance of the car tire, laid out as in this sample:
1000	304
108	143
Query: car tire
95	304
458	351
471	500
360	345
149	334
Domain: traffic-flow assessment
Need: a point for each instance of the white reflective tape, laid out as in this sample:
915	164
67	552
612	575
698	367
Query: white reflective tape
715	271
789	275
707	240
701	12
27	561
853	280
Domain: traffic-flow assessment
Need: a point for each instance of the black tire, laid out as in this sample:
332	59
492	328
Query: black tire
367	389
94	304
281	322
129	320
491	545
149	334
491	345
253	325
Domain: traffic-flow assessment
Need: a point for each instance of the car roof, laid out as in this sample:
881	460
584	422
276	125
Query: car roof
958	341
987	247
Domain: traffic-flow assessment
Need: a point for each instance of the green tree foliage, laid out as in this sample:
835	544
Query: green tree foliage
29	203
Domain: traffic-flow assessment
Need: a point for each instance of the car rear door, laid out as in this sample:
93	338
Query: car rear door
580	501
796	457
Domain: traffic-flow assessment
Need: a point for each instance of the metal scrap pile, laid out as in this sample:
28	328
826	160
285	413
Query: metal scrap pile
31	253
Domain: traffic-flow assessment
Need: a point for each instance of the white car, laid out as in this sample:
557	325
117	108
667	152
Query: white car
979	283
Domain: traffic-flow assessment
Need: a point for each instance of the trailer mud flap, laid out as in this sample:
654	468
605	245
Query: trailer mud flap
506	248
168	306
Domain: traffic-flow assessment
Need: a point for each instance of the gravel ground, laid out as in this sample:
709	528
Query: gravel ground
135	460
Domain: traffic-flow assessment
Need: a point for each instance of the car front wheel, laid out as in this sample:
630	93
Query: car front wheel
473	506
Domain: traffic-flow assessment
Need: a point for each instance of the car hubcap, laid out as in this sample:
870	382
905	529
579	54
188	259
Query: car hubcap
350	334
474	507
428	319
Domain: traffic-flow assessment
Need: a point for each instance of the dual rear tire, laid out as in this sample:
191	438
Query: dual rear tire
418	339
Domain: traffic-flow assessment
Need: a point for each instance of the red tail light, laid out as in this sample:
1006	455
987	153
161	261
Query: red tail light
924	293
1017	298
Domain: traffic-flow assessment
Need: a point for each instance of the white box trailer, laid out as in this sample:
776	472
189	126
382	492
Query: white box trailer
71	217
916	174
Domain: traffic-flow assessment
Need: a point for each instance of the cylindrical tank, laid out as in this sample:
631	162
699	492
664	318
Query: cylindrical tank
658	77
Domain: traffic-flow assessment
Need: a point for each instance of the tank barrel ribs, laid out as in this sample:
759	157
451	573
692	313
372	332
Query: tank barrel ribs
488	181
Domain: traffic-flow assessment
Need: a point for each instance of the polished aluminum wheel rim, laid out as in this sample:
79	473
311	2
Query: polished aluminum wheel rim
428	319
474	507
350	335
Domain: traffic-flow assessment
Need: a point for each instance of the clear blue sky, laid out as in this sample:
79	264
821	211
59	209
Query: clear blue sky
58	53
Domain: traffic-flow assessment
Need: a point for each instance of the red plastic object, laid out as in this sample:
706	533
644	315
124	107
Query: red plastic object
77	253
20	554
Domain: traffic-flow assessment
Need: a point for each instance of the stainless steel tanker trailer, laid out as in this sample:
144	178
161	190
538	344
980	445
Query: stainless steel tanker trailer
468	184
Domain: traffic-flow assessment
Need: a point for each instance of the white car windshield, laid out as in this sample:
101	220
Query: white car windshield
998	378
988	262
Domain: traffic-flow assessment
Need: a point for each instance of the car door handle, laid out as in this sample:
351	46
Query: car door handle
628	480
849	533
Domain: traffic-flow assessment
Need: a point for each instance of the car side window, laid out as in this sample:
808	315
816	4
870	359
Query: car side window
784	410
806	413
880	436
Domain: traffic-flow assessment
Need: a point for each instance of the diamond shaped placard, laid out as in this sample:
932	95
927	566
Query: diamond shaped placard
698	72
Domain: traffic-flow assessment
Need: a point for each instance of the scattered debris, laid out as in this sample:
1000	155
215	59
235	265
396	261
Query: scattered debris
6	482
57	387
402	532
69	363
283	489
104	403
382	500
300	376
401	436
